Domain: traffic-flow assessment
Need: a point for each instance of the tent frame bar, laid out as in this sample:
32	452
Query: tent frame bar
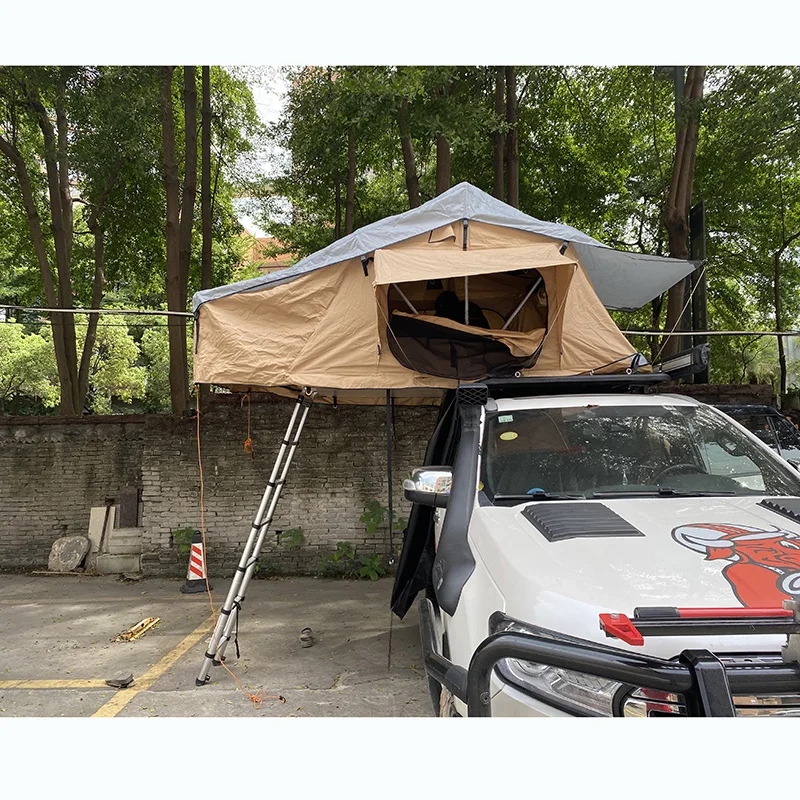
407	301
524	300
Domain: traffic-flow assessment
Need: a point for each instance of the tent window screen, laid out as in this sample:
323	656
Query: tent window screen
507	315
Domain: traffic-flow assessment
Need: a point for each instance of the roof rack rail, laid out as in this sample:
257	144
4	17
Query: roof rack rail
573	384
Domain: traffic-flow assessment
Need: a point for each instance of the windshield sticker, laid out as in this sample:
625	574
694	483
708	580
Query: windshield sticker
509	436
506	418
763	566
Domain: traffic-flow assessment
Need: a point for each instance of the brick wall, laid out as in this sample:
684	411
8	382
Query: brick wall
53	471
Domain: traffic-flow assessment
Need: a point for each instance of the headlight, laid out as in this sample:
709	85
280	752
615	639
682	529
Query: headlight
574	692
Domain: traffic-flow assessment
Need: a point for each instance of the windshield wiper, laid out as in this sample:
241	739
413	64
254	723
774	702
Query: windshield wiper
538	495
662	491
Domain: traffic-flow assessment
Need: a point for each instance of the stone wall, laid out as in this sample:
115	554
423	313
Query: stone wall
53	471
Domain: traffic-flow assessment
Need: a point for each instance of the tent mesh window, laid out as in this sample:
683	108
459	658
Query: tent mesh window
424	346
447	353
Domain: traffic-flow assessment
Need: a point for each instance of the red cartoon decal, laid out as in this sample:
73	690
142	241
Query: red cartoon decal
764	565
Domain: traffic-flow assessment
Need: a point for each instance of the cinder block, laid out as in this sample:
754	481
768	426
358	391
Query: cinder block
113	564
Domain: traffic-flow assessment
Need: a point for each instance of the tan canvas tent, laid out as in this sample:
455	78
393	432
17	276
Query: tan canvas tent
461	289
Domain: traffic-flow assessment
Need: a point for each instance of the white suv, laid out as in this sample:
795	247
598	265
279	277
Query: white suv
609	554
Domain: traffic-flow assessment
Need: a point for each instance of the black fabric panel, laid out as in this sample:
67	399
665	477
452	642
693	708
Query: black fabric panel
557	520
416	559
448	353
785	506
454	561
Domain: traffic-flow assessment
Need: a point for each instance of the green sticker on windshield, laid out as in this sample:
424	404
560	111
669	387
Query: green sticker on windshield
509	436
506	418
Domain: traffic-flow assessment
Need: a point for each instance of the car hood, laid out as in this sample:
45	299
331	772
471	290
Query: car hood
694	552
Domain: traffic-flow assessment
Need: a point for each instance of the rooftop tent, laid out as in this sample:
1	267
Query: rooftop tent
462	288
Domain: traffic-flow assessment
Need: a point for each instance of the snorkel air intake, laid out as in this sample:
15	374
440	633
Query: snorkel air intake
454	562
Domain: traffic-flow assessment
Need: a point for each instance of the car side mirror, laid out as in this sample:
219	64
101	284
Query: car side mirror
429	486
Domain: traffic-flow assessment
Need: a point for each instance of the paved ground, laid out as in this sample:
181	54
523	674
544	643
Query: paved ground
55	650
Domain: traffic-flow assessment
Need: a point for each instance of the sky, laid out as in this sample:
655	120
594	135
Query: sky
269	89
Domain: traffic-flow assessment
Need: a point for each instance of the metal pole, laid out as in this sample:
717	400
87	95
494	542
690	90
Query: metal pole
407	301
241	570
522	303
390	507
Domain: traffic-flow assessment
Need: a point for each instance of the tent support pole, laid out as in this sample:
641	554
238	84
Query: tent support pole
407	301
466	301
389	507
247	564
524	300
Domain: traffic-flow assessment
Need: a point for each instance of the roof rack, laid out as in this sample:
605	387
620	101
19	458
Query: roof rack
680	365
572	384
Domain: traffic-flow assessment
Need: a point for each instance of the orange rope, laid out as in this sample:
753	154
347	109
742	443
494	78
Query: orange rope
248	442
255	697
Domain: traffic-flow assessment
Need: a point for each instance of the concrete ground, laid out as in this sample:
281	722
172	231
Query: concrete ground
56	650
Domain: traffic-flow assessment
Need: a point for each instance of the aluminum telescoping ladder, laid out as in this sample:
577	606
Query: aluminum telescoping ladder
247	564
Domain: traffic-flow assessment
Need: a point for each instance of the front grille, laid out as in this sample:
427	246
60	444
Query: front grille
649	703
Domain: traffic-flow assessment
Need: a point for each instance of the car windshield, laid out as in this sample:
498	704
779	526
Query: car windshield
605	451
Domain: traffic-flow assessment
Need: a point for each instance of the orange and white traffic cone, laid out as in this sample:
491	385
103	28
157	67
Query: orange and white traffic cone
196	573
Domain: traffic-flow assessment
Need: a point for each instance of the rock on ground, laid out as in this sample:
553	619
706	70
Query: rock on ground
68	553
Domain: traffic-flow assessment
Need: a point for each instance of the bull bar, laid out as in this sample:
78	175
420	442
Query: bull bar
707	684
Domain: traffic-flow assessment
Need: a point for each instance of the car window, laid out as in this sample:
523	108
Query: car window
757	424
788	436
584	450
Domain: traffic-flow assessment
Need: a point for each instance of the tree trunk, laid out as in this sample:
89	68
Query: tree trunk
189	193
337	205
512	138
37	238
97	298
676	211
350	199
63	162
177	334
779	325
442	164
656	304
777	256
498	147
188	198
98	283
206	273
412	179
205	181
61	227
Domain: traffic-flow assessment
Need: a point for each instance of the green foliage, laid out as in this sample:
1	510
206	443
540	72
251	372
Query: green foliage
371	567
293	538
27	366
376	516
340	563
182	537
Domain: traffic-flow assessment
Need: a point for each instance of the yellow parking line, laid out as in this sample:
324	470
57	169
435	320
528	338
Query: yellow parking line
54	684
124	696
